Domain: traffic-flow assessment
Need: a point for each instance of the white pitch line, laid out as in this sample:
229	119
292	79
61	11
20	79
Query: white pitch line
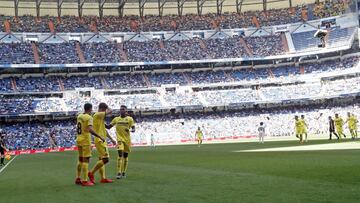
316	147
8	163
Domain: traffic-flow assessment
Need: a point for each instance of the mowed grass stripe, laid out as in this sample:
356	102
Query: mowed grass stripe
211	173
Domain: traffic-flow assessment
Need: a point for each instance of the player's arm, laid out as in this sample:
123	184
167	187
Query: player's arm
109	126
4	147
112	139
91	130
108	112
132	124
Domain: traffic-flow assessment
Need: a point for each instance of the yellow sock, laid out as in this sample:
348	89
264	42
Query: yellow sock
119	164
102	172
85	170
78	169
97	166
125	164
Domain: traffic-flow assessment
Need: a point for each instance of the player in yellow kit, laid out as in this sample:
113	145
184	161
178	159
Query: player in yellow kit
339	123
304	127
352	125
298	129
101	147
199	136
124	124
84	128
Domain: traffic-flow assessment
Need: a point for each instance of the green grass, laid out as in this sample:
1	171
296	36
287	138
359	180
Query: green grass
212	173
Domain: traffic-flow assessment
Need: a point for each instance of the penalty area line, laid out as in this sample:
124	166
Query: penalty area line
8	163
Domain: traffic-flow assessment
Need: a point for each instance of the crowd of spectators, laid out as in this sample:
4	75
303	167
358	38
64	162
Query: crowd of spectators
37	84
74	82
146	51
181	99
130	80
148	23
16	53
202	97
208	21
39	135
101	52
169	50
225	48
328	8
159	79
16	106
265	45
5	85
175	128
58	53
125	81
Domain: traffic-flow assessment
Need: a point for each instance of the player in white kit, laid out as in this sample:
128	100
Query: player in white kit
152	141
261	130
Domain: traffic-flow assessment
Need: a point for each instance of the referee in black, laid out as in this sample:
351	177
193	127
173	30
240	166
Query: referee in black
332	128
2	149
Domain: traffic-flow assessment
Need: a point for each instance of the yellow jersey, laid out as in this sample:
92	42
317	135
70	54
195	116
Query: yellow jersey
199	133
303	124
298	125
339	122
352	122
83	137
99	126
122	127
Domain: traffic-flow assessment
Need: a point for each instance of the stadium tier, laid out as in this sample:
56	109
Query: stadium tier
144	80
130	23
196	89
169	50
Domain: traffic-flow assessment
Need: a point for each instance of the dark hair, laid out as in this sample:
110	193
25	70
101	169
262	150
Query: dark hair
102	105
87	106
123	106
261	123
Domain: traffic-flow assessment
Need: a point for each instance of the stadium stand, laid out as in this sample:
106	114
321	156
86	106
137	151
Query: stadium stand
126	81
42	135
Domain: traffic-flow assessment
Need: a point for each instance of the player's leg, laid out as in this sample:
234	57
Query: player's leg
2	155
85	166
306	135
103	159
102	171
339	133
119	163
78	171
125	164
79	166
85	172
342	132
356	133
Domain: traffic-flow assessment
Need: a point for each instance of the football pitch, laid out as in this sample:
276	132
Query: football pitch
211	173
